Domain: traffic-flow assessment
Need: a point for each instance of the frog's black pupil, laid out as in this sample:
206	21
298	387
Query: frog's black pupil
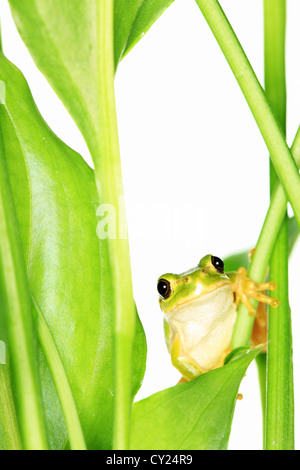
163	288
218	264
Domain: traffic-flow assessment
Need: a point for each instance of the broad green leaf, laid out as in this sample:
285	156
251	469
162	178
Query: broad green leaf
192	415
125	13
18	326
69	32
133	18
56	200
80	65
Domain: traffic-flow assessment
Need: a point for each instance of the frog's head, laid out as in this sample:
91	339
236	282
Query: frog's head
179	289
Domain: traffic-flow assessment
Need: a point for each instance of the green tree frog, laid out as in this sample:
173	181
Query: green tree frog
200	308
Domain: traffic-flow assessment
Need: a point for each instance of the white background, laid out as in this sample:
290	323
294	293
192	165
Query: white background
194	164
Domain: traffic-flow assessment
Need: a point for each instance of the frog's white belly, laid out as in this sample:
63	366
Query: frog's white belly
204	327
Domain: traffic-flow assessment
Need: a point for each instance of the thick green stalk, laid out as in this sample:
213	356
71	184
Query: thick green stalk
279	431
274	59
256	99
261	368
279	398
61	382
18	321
109	183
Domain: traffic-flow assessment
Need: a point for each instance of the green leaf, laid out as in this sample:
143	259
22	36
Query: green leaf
132	20
18	328
69	275
192	415
75	434
80	66
63	38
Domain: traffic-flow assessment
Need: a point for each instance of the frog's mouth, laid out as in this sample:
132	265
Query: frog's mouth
204	307
200	296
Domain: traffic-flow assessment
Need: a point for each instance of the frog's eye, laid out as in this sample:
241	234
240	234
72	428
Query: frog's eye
217	264
164	288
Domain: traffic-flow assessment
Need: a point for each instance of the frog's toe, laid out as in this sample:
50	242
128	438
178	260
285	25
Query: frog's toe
246	289
266	286
245	300
242	271
266	299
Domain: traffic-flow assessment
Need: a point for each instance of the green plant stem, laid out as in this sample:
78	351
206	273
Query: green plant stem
261	258
18	321
274	58
8	412
279	398
261	362
61	382
109	183
279	431
256	99
281	156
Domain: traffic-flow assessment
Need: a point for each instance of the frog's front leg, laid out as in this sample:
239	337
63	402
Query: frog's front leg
245	289
183	362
